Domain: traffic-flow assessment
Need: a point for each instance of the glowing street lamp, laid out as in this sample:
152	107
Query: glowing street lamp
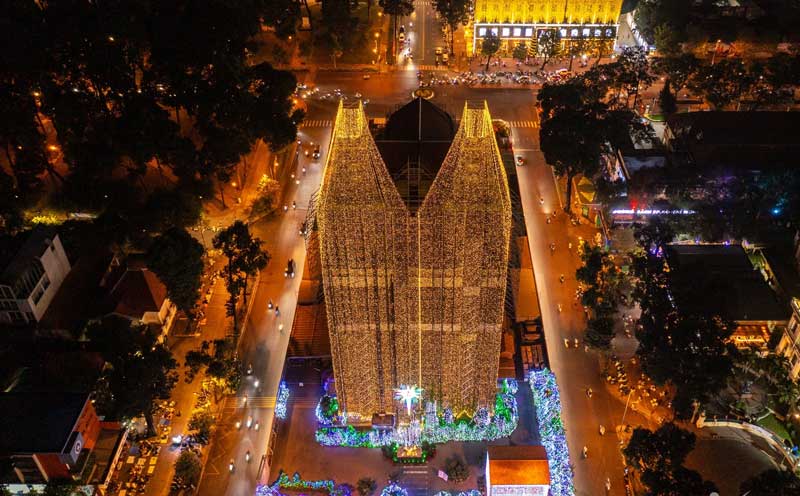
408	394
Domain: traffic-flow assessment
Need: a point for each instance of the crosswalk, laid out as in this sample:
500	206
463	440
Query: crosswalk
427	67
233	402
529	124
317	123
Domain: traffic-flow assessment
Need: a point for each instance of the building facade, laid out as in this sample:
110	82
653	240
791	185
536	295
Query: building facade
414	299
523	21
32	277
789	345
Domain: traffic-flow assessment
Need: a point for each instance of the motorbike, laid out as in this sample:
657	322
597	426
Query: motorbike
289	272
230	466
247	456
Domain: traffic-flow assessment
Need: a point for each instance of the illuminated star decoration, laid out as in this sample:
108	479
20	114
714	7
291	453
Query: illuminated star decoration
408	394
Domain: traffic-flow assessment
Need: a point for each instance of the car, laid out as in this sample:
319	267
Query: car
358	95
315	155
444	58
402	29
520	160
438	51
401	37
365	76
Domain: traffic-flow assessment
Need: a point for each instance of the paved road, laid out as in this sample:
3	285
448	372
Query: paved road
575	369
263	345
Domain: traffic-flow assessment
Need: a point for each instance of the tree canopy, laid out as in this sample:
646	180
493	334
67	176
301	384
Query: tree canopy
141	370
177	259
95	85
658	457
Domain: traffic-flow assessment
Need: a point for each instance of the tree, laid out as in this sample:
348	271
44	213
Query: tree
633	71
678	69
689	351
366	486
490	46
666	100
220	361
177	259
548	45
453	13
245	258
650	14
201	424
188	468
654	236
658	457
140	369
667	40
60	487
456	469
772	482
576	48
721	83
520	52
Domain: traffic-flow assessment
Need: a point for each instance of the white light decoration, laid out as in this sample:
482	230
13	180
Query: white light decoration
408	395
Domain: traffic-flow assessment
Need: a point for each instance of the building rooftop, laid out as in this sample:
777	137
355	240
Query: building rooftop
518	466
38	422
754	140
134	289
720	280
413	146
21	249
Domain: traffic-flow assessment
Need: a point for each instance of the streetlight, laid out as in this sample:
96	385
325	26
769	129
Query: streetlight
716	47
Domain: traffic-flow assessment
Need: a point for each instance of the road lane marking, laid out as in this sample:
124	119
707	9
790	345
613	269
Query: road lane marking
316	123
527	124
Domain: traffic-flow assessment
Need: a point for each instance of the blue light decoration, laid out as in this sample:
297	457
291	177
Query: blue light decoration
281	401
482	426
298	483
471	492
551	429
394	489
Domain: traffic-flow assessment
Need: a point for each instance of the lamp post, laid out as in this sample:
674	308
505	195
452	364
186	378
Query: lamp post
716	47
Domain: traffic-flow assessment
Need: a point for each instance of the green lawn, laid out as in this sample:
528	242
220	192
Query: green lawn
775	426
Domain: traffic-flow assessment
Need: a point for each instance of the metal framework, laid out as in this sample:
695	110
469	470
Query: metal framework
414	300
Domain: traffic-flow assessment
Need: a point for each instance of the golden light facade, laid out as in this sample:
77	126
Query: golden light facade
548	11
517	21
414	299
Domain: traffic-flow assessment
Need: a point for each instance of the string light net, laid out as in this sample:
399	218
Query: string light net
464	230
363	229
414	300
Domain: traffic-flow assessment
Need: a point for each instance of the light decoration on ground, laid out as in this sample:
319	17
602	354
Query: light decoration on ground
394	489
389	275
296	483
281	401
408	395
471	492
551	429
501	424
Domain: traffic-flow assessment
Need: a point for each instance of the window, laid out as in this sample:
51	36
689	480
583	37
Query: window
585	32
16	316
6	292
7	305
30	317
506	32
37	295
597	33
45	282
563	32
517	32
528	32
574	33
481	31
494	31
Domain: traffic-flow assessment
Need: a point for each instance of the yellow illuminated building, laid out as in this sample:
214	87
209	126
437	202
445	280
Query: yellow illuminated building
523	20
414	298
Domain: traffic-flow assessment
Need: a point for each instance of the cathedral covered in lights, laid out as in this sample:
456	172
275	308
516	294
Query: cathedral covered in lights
414	253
